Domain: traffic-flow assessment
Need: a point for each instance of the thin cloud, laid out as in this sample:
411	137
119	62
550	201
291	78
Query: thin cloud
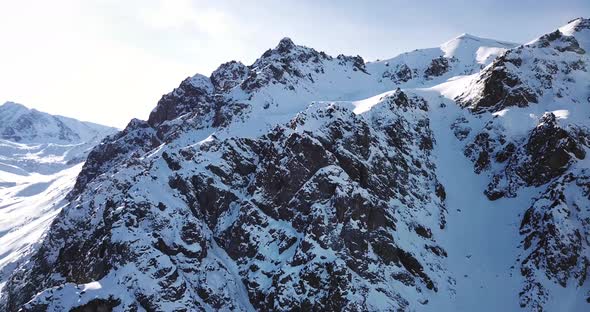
186	15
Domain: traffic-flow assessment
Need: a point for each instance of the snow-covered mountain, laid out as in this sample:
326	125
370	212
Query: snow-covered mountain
536	141
40	157
444	179
34	141
463	55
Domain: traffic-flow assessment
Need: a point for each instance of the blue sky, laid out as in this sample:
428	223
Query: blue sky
108	61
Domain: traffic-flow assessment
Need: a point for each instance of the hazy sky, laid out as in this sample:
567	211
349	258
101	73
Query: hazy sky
108	61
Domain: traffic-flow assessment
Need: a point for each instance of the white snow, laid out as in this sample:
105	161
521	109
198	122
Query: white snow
485	55
481	236
27	208
36	173
464	46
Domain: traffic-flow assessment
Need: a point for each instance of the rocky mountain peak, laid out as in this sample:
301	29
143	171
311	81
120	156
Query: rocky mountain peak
201	83
193	92
285	45
578	24
229	75
285	48
525	74
12	106
466	36
463	55
548	120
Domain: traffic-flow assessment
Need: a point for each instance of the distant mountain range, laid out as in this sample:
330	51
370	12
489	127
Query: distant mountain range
40	157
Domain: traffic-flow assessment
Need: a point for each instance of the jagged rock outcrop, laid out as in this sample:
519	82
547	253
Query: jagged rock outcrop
556	229
544	154
194	95
402	73
547	67
438	67
229	75
501	87
551	149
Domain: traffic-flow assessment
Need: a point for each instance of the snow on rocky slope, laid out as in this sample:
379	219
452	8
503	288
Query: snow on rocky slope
40	157
212	220
463	55
533	106
311	182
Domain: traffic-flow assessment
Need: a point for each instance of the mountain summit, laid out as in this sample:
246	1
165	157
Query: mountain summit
21	124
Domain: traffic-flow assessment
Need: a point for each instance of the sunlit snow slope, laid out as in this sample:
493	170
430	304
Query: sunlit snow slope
40	157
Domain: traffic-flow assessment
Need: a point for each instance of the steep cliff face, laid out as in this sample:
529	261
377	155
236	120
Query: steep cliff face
556	230
311	182
315	214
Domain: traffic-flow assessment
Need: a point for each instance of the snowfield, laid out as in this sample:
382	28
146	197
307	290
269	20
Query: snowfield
27	208
40	158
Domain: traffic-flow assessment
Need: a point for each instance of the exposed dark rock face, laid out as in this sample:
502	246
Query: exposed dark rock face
279	66
402	73
556	230
324	194
528	73
481	150
194	105
551	149
562	43
358	64
138	136
98	305
501	88
193	95
437	67
461	128
547	153
229	75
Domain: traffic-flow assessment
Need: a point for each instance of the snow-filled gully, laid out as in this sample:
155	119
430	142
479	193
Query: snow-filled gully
481	236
